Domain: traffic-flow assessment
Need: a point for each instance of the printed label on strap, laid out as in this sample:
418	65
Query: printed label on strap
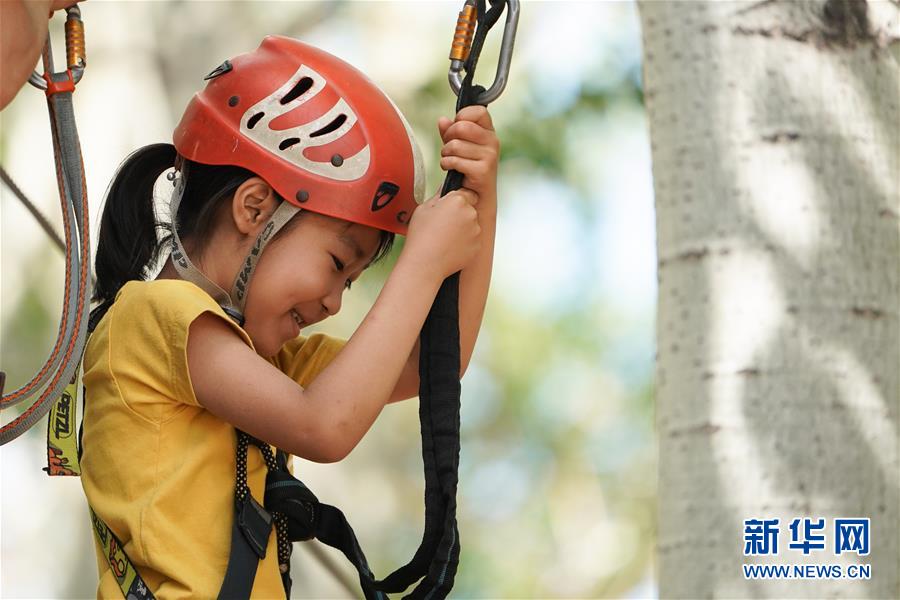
62	431
131	584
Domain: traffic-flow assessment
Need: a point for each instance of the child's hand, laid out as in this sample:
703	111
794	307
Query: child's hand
472	148
444	233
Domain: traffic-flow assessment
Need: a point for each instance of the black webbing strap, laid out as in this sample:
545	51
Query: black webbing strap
250	530
439	392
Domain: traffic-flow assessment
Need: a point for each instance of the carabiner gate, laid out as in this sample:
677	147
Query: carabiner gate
462	42
76	56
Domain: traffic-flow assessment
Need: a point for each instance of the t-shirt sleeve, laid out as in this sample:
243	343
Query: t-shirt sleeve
152	326
194	302
303	358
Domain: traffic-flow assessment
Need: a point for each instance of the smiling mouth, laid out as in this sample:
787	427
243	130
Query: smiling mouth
300	322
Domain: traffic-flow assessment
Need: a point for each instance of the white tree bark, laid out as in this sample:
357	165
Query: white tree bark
775	131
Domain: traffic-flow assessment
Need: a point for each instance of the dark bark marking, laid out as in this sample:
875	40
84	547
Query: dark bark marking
781	136
843	24
688	255
848	21
797	36
755	6
866	312
702	428
693	254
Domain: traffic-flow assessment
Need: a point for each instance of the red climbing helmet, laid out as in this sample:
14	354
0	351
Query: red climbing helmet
315	128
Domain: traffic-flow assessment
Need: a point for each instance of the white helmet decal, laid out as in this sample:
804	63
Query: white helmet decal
418	162
289	144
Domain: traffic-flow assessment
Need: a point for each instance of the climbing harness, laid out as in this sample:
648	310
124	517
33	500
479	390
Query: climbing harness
58	377
288	505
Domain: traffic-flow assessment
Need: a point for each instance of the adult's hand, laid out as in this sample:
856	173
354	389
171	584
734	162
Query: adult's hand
23	31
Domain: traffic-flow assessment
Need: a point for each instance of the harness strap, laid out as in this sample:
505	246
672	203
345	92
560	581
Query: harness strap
131	584
309	518
250	531
279	219
273	465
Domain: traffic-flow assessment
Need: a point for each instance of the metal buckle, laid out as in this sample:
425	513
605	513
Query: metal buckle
256	524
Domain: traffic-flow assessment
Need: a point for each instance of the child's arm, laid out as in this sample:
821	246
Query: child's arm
475	155
324	422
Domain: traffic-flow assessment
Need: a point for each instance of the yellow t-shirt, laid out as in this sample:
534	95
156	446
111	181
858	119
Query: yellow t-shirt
157	467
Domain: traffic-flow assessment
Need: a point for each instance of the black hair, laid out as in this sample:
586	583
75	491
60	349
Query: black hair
385	243
129	244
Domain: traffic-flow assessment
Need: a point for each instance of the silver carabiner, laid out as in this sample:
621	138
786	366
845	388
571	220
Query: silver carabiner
76	57
462	42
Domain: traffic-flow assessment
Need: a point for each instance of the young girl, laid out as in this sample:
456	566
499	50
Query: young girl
293	174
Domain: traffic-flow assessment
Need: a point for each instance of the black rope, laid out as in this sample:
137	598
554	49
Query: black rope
439	395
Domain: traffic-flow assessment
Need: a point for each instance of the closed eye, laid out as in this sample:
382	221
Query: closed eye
340	267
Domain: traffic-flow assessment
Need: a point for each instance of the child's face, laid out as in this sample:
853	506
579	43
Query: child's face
303	274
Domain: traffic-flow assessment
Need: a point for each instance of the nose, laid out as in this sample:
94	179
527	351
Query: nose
332	302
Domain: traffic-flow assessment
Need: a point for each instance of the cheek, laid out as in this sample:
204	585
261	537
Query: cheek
288	273
265	303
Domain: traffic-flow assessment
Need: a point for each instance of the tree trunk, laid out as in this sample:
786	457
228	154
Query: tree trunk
775	134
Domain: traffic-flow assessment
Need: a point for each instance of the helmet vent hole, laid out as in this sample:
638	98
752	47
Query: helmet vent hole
298	90
254	120
285	144
337	122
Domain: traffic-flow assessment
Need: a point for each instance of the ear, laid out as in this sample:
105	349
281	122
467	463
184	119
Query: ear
253	203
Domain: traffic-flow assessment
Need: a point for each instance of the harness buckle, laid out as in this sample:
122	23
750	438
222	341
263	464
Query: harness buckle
76	57
255	523
289	496
462	41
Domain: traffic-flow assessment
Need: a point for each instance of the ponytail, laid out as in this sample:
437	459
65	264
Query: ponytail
129	245
128	242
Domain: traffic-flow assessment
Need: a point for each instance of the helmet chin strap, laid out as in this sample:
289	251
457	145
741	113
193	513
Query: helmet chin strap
233	304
